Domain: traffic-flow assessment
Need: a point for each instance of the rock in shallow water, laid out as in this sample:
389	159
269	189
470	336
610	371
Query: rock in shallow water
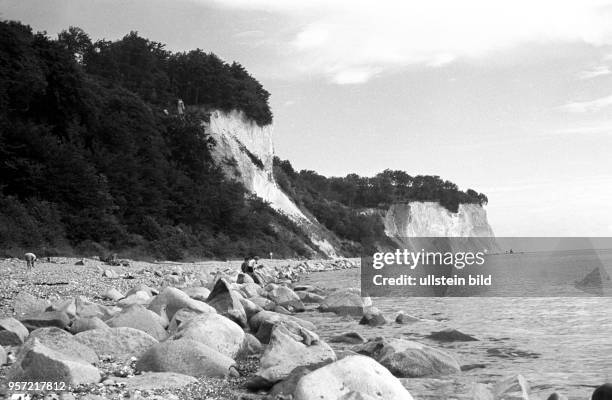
451	335
351	376
408	359
346	302
373	317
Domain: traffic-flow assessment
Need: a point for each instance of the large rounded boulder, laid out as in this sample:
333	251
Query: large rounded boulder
185	356
351	376
213	330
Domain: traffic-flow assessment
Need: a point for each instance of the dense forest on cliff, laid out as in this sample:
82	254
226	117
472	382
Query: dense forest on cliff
90	162
94	158
342	203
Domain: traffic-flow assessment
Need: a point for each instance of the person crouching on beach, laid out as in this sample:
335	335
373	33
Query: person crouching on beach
30	259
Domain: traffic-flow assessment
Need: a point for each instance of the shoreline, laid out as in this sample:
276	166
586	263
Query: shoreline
50	282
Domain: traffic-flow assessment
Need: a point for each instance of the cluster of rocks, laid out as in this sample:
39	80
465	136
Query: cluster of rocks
171	337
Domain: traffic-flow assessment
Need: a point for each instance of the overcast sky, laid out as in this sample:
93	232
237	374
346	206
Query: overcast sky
510	98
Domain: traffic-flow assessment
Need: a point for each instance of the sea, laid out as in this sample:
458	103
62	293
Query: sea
561	342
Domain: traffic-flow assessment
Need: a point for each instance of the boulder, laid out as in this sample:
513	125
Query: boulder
244	278
451	335
86	309
285	353
140	297
373	317
173	299
557	396
402	318
602	392
513	387
68	306
197	293
227	302
3	356
142	288
109	273
408	359
348	377
346	302
181	316
250	308
63	342
156	381
37	362
250	346
349	337
308	297
187	357
213	330
112	294
120	343
285	388
265	304
271	316
27	304
285	297
249	290
12	332
138	317
266	328
79	325
58	319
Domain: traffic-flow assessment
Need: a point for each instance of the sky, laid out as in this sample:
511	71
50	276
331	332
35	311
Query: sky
513	98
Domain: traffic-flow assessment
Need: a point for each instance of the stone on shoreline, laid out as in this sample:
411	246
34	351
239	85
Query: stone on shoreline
185	356
348	377
173	299
38	363
140	297
213	330
181	316
408	359
227	302
112	294
199	293
373	317
285	297
79	325
120	343
156	381
349	337
250	308
403	318
308	297
244	278
45	319
63	342
264	303
27	304
451	335
109	273
138	317
514	387
284	353
264	320
346	302
142	288
12	332
250	346
249	290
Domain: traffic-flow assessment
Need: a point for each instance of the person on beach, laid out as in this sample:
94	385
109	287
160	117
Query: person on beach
30	259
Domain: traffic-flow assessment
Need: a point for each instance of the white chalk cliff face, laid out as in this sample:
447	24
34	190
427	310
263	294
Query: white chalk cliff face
430	219
245	152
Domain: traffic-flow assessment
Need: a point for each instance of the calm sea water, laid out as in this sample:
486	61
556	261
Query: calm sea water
558	343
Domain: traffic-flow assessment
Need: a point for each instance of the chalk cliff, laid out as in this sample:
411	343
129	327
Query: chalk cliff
430	219
245	152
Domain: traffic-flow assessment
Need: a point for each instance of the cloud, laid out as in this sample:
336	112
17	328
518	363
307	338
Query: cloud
604	128
350	41
588	106
595	72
